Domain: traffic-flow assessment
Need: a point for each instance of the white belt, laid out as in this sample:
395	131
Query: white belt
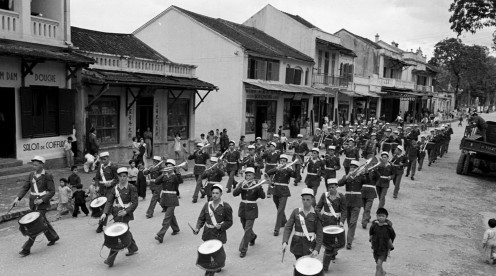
272	164
209	225
301	234
105	182
125	205
349	157
281	184
232	162
212	182
152	180
354	193
329	168
384	177
39	194
369	186
203	165
168	192
330	214
311	173
248	201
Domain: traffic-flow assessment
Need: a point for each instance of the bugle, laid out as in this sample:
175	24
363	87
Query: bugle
182	165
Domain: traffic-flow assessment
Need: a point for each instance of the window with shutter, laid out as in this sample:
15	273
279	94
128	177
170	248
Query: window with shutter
297	76
26	98
66	112
289	75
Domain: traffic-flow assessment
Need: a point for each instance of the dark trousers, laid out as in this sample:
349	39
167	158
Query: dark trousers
131	248
231	182
397	182
297	173
83	208
280	203
50	233
153	203
102	222
198	187
367	206
329	254
381	192
346	170
412	166
169	220
248	235
352	218
421	161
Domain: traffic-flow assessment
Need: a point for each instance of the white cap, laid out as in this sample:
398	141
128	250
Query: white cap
401	148
39	158
232	142
121	170
422	136
258	138
103	154
316	149
157	158
396	132
355	163
251	147
307	191
273	144
385	152
217	186
332	147
351	140
170	161
249	170
276	135
332	181
200	145
284	156
214	159
299	135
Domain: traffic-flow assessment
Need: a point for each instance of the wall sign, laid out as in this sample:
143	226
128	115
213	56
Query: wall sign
51	144
8	76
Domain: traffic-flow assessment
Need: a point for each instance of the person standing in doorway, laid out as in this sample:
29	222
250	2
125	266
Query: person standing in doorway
265	128
148	135
93	145
74	147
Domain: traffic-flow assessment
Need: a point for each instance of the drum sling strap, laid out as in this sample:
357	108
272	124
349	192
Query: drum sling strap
211	213
304	226
119	199
330	205
101	173
35	186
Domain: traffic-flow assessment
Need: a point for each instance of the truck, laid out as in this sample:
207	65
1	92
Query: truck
477	155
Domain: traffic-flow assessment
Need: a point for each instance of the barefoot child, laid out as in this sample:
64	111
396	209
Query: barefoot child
65	193
489	242
79	197
382	236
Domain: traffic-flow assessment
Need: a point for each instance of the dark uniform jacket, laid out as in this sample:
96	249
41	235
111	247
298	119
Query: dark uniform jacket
281	181
232	159
128	196
170	183
339	206
223	216
350	154
384	172
300	149
259	149
370	147
381	236
110	174
255	162
368	188
249	210
413	150
398	163
331	165
300	245
154	174
353	189
270	158
314	172
200	158
44	183
214	176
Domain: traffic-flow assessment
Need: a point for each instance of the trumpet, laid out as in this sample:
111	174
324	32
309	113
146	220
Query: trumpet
287	165
213	166
222	156
363	168
182	165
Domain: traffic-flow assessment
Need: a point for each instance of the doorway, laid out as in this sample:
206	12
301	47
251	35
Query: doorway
8	123
390	108
295	114
261	117
144	121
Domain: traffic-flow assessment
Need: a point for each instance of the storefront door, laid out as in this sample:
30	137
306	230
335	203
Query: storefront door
390	108
144	115
7	123
261	117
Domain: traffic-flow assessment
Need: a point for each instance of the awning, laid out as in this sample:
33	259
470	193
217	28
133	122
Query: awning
335	46
367	94
138	79
40	53
349	93
398	62
289	88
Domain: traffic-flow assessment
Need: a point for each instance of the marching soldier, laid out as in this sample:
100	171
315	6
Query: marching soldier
368	195
259	147
422	152
213	175
398	162
107	178
351	153
370	147
169	180
253	160
231	157
385	172
248	208
308	235
332	209
271	156
200	158
413	153
122	201
154	171
300	151
281	175
41	187
331	164
315	168
432	150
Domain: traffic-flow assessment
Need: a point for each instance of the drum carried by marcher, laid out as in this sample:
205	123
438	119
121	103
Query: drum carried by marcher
117	236
334	237
211	255
308	266
32	224
97	205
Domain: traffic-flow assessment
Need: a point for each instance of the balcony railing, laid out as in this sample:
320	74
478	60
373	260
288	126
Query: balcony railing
387	82
44	27
331	80
9	22
424	88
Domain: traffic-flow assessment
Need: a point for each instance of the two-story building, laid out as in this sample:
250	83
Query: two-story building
333	68
262	81
133	91
37	62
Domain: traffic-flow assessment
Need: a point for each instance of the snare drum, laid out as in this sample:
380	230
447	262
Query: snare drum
117	236
97	205
211	255
334	237
308	266
32	224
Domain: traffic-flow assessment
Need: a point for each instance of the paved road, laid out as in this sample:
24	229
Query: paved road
439	219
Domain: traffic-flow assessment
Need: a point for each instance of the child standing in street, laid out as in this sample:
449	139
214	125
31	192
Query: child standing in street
92	191
74	178
79	197
382	236
69	155
284	142
64	194
489	242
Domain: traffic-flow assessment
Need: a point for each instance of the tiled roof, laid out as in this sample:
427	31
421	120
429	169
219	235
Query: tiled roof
301	20
336	46
40	52
112	43
366	40
250	38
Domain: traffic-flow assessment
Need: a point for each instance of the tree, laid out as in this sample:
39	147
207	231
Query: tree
473	15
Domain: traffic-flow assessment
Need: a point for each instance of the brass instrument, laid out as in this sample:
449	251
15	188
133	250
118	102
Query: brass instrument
213	166
154	166
364	168
222	156
182	165
287	165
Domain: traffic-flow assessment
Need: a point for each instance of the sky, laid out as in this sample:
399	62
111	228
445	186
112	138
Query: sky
410	23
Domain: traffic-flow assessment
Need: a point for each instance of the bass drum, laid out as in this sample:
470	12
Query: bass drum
32	224
117	236
97	205
211	255
308	266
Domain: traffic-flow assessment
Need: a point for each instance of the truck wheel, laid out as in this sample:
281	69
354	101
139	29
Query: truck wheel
466	165
461	162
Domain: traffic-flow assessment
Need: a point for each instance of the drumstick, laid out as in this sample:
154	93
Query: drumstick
13	205
192	229
283	251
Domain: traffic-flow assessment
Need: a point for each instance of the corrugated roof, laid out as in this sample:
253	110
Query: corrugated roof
338	47
291	88
113	43
37	52
366	40
301	20
250	38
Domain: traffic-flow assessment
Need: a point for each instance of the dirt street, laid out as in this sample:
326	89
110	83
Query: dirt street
439	219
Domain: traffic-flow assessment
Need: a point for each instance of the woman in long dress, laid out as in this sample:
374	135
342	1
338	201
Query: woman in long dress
148	140
141	152
265	127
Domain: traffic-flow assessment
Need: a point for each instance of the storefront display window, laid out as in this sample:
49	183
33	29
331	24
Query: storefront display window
178	118
258	112
104	117
295	114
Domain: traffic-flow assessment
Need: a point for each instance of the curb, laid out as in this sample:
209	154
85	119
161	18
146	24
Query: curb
53	206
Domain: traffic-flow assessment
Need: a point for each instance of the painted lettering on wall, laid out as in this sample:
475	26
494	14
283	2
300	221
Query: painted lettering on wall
45	77
47	145
10	76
